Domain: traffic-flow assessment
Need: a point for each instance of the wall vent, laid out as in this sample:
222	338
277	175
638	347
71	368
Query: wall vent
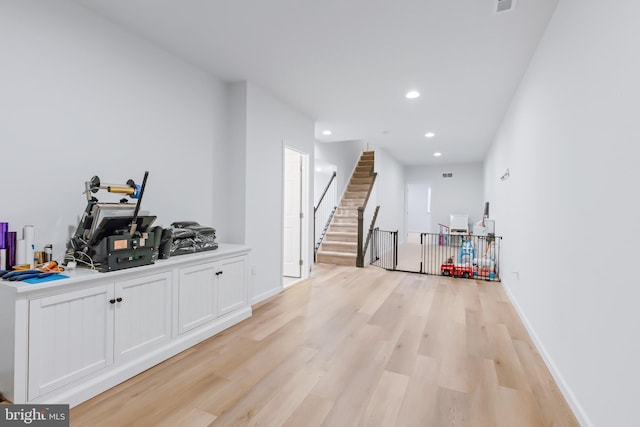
447	175
504	5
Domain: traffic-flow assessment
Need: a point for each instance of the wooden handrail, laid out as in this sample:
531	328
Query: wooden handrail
324	193
316	244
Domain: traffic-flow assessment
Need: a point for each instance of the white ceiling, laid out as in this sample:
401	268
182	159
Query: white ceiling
348	63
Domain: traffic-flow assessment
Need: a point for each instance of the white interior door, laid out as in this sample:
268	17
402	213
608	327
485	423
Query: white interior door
292	213
418	208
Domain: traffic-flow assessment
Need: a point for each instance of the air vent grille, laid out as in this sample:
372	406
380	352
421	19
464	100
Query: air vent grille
504	5
447	175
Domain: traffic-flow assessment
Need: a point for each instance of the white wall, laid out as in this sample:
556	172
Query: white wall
389	194
343	154
79	97
322	173
461	194
270	124
570	141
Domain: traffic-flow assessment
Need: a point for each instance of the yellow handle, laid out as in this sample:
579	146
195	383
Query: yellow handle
120	189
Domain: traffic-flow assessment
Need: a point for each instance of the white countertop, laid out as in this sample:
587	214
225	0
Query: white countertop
81	274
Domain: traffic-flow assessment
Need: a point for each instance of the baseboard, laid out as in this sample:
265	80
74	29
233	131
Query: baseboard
82	390
265	295
566	391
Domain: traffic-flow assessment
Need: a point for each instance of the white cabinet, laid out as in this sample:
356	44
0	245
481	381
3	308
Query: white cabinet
142	315
74	334
211	290
68	340
197	296
70	336
232	284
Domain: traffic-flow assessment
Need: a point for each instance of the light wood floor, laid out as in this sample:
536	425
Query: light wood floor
352	347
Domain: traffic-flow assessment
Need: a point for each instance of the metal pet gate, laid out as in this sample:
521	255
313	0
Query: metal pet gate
466	256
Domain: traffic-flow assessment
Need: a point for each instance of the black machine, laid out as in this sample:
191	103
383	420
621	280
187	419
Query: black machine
114	236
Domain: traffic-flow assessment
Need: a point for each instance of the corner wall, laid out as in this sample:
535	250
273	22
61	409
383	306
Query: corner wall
236	162
343	154
568	210
389	194
271	124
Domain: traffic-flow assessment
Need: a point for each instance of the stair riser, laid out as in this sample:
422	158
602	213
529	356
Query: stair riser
341	238
355	195
364	169
346	247
344	228
362	175
328	259
351	203
346	220
346	210
358	188
367	180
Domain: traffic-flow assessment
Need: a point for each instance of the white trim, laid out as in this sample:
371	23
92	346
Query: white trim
305	238
566	391
293	282
266	295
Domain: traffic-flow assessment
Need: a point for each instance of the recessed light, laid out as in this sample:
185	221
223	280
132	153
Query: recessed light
437	154
412	94
326	132
429	135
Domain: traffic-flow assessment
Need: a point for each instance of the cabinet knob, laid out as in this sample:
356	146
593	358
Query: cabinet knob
218	273
112	301
119	299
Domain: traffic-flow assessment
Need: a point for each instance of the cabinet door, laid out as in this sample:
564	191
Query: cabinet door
70	336
142	315
197	296
232	284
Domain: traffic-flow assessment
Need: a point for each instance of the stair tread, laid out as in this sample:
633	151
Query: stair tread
338	254
338	243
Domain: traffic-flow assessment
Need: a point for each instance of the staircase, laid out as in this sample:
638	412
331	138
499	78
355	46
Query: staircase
340	243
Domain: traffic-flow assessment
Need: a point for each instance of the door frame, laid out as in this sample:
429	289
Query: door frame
305	222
